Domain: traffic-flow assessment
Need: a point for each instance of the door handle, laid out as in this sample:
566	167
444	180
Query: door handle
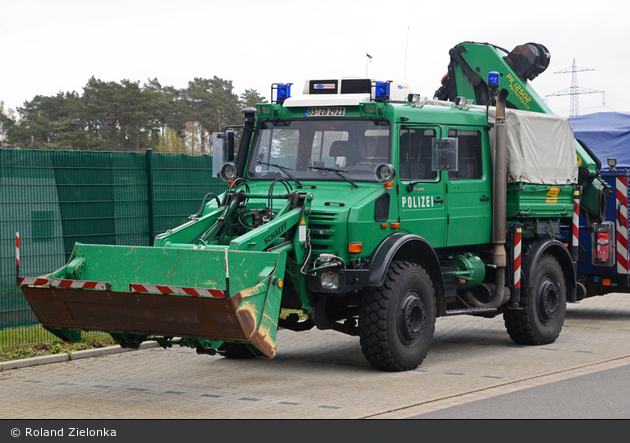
484	199
438	200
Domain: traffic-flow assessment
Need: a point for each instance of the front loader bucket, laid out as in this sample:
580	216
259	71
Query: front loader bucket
205	294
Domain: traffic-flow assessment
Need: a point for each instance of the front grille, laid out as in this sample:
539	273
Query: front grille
322	226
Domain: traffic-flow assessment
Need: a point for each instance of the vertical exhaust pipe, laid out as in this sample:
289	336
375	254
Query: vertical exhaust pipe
499	219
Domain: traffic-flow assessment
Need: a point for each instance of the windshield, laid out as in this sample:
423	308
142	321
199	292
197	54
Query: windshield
320	149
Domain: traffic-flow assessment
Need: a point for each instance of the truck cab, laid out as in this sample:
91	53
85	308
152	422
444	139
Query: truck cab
376	166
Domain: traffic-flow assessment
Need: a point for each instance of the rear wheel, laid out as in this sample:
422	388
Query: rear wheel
543	304
397	319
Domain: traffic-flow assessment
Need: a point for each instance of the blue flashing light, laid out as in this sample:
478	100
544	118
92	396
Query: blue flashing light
493	79
381	91
283	91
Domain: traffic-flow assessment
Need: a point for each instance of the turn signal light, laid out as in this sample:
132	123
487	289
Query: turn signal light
355	248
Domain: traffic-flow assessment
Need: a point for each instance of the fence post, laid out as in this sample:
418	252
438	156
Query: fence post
149	158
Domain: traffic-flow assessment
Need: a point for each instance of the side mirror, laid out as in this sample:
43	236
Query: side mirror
444	154
222	149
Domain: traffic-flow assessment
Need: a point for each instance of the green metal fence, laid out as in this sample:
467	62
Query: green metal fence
56	198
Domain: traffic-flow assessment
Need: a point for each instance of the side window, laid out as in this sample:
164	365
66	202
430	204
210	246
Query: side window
415	154
469	155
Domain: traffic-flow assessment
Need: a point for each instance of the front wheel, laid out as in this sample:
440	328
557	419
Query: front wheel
543	306
397	319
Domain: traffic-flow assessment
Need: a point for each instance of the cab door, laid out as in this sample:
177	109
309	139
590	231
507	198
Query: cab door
469	190
422	206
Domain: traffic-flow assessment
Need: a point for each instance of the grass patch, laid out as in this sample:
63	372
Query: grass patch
56	347
30	335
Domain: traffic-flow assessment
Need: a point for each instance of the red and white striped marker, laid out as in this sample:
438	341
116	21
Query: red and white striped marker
62	283
517	257
575	238
622	223
159	289
17	257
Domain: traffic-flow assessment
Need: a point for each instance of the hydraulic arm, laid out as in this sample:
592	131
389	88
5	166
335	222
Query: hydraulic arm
469	67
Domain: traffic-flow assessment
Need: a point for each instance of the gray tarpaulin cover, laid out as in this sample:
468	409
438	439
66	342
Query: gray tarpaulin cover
541	147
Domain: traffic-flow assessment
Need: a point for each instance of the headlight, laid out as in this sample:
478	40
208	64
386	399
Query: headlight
385	173
329	280
228	171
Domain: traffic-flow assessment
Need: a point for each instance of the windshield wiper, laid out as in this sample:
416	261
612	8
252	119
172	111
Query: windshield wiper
337	172
285	170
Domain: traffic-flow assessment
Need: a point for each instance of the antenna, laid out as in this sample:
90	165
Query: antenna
574	90
368	59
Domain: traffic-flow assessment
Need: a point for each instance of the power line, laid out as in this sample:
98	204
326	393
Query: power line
574	91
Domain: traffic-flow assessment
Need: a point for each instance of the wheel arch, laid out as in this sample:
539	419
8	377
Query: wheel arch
412	248
561	253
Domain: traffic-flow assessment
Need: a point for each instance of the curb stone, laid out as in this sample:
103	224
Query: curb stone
56	358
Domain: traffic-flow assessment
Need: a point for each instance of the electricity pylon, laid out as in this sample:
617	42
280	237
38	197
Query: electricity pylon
574	91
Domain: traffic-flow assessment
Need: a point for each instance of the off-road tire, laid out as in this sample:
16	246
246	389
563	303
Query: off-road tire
543	306
397	319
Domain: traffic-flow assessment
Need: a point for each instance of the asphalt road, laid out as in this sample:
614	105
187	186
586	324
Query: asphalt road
602	395
473	370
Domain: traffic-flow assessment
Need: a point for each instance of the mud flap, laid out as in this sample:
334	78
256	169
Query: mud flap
170	306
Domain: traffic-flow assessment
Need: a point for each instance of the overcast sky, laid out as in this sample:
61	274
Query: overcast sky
50	46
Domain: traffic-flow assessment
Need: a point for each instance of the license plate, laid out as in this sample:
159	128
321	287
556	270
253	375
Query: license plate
325	112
